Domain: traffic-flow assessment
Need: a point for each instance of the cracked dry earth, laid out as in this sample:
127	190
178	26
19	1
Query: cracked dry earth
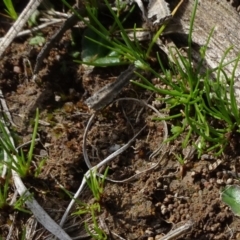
157	202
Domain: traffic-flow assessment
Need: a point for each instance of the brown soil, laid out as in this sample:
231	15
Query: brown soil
148	207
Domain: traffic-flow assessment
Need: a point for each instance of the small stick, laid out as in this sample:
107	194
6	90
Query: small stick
45	50
5	109
178	231
18	25
44	25
105	95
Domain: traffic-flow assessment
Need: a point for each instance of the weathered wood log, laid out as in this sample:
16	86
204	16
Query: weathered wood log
221	16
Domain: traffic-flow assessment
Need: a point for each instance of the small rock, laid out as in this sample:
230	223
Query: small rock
17	69
149	232
229	181
158	237
220	181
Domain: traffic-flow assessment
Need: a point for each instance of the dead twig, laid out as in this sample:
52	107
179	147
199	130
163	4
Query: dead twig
5	109
105	95
35	29
178	231
18	25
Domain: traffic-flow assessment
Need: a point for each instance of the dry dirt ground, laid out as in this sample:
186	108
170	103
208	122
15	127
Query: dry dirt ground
148	207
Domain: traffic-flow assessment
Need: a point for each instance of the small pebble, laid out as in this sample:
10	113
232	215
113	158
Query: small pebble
170	207
17	69
229	181
214	228
166	200
212	180
114	148
150	238
220	181
149	232
193	174
164	209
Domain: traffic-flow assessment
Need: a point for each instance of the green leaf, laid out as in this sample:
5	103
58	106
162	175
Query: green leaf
231	196
93	50
37	40
108	61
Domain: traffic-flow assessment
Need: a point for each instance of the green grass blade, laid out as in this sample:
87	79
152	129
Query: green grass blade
34	135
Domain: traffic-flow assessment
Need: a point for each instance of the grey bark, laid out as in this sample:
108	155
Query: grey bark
221	16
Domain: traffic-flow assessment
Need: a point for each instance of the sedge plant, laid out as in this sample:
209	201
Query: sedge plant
96	185
19	204
13	159
201	101
5	200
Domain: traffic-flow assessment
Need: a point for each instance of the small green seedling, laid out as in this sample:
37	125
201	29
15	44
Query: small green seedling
180	159
4	196
96	185
17	161
23	162
19	204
